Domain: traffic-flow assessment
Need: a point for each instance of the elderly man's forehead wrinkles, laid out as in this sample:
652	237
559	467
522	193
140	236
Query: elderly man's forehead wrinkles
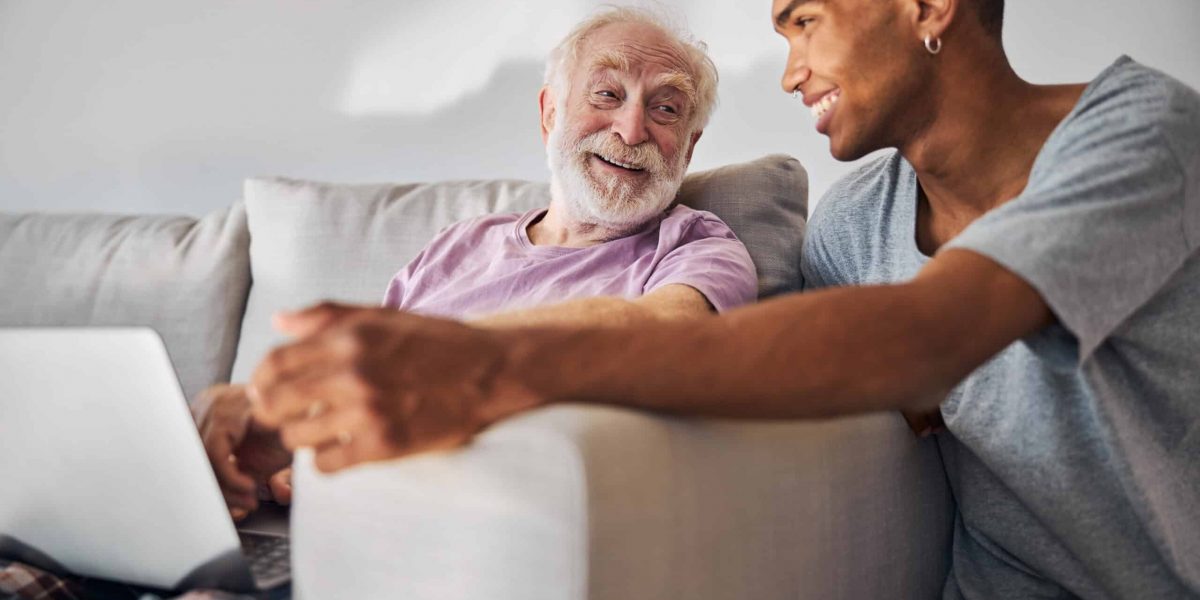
607	63
633	51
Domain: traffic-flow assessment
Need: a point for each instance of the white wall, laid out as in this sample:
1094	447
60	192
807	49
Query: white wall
153	106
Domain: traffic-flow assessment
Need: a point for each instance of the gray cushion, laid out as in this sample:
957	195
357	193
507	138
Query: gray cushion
186	278
314	241
764	202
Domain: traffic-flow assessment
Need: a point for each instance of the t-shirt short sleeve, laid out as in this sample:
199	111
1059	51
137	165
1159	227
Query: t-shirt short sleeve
709	258
819	261
1103	222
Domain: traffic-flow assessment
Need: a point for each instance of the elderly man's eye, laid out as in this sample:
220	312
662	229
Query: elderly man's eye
667	108
606	94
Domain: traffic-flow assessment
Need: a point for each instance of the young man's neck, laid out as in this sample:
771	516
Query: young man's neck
989	127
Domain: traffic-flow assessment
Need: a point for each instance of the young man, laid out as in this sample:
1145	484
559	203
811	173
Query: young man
1026	263
625	102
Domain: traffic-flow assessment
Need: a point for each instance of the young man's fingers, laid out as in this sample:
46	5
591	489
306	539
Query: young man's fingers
291	361
337	456
308	321
351	451
308	396
337	425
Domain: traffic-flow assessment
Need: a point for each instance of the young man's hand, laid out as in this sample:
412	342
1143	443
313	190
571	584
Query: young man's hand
362	384
243	453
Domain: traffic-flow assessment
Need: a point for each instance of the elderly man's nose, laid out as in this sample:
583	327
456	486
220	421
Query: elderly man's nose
630	124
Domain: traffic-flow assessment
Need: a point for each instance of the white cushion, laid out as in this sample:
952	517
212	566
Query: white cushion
315	241
576	502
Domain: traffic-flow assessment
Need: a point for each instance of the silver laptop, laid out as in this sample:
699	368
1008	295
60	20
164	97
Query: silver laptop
103	474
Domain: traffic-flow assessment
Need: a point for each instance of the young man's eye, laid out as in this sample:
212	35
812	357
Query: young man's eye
803	22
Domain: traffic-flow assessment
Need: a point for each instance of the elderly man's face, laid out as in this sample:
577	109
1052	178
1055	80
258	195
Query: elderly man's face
620	141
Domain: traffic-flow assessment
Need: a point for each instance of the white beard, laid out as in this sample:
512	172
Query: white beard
618	204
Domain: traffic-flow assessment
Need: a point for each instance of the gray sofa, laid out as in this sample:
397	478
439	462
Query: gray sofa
569	502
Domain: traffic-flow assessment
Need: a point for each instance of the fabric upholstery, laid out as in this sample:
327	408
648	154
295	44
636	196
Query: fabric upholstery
315	241
583	502
187	278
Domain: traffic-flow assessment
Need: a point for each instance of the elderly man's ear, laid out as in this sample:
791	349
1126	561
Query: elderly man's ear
546	109
692	147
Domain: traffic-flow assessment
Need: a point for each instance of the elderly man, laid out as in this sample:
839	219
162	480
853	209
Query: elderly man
1027	261
624	104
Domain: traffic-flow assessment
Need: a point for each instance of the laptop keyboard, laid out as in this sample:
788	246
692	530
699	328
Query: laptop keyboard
269	557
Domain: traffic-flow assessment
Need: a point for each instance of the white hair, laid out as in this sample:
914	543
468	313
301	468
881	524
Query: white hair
703	71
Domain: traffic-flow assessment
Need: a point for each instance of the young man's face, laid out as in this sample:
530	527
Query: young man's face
858	64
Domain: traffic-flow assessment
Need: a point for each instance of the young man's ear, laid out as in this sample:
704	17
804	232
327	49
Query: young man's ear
933	17
692	147
546	107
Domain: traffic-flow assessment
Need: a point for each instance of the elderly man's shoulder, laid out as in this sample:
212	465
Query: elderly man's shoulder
685	221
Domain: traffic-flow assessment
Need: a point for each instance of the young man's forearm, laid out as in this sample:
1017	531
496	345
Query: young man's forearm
836	351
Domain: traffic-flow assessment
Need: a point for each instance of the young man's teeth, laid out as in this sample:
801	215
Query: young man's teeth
824	104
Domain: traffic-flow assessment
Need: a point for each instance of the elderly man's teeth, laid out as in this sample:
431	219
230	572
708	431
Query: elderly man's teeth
619	163
824	104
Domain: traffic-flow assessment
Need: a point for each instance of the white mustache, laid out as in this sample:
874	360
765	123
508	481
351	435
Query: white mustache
643	156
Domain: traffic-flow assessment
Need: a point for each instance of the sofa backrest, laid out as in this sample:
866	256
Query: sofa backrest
185	277
319	241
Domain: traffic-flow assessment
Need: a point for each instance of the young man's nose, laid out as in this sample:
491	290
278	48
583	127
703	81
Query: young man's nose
795	73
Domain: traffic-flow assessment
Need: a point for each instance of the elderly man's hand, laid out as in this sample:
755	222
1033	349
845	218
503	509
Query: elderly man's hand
243	454
362	384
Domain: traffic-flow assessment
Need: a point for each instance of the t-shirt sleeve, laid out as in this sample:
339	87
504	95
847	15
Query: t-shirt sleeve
393	297
819	264
1102	223
709	258
397	288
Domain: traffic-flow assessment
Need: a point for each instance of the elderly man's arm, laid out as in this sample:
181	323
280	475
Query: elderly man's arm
669	302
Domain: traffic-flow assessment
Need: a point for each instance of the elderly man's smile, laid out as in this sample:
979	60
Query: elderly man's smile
616	165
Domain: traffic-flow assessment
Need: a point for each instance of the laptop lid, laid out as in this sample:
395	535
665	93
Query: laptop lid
103	473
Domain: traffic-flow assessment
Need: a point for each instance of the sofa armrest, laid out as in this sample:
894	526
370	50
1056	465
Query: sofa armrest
574	502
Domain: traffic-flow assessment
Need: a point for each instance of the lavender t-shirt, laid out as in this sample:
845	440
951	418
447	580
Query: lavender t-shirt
487	264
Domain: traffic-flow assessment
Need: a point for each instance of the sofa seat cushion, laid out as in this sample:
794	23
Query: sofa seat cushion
187	278
320	241
572	502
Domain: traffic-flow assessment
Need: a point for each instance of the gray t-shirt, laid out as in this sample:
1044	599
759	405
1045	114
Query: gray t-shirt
1074	454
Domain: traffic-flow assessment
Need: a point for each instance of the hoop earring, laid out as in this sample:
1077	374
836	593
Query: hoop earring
932	44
